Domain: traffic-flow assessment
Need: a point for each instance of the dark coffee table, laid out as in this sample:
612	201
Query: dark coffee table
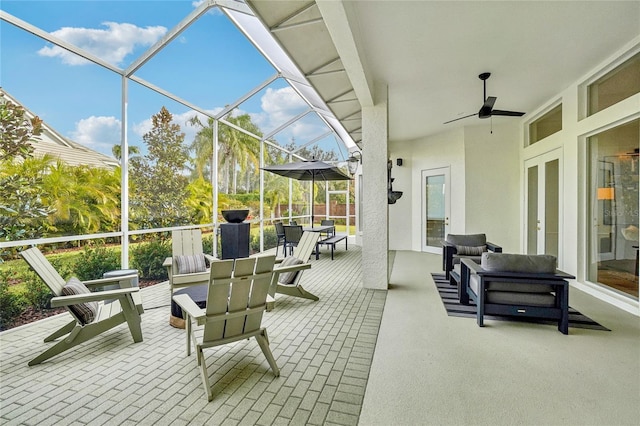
197	293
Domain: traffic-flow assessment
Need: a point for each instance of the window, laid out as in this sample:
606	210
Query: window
613	195
548	124
615	86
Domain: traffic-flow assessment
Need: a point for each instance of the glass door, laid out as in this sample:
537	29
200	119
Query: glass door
542	209
435	208
612	196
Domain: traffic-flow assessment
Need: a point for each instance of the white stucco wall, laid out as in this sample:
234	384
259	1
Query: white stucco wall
492	182
483	167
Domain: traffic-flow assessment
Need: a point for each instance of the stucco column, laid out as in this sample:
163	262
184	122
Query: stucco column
375	241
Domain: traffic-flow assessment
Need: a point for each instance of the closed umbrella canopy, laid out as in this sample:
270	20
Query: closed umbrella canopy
308	170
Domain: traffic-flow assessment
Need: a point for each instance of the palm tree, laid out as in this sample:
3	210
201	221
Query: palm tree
236	149
117	151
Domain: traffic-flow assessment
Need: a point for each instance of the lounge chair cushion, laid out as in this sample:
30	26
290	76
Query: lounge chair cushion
470	240
85	312
526	263
511	287
471	250
289	277
191	264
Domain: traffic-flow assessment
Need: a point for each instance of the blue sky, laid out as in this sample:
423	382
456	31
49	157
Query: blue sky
211	64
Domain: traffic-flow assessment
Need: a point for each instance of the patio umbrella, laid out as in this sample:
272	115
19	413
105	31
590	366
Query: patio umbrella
308	170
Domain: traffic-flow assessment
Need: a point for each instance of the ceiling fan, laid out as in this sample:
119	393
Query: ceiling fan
487	107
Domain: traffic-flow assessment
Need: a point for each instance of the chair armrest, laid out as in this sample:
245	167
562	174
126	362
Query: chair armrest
557	276
92	297
168	262
106	281
447	244
292	268
494	247
209	258
473	267
189	306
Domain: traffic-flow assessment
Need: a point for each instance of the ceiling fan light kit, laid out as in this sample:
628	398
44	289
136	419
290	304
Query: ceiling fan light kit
486	110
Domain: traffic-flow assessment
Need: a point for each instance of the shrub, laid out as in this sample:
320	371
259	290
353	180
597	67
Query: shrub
11	304
148	258
92	263
37	293
207	243
270	240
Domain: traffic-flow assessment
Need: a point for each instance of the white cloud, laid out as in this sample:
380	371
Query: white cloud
112	44
278	106
98	133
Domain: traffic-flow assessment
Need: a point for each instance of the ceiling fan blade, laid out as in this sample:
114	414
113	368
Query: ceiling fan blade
459	118
487	107
507	113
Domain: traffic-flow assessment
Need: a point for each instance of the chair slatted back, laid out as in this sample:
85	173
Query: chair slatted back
292	233
186	242
44	269
237	296
279	229
306	245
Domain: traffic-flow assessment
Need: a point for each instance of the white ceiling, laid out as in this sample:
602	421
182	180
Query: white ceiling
429	53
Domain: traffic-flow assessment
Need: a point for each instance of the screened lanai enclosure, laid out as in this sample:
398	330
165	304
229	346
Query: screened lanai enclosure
137	118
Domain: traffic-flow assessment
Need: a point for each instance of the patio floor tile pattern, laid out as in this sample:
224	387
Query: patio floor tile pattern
324	350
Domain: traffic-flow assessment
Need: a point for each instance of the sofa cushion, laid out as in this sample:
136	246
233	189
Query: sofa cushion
85	312
519	287
289	277
471	250
471	240
527	263
517	298
191	263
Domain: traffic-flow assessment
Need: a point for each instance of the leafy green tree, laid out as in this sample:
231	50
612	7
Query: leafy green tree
159	185
22	211
17	131
200	201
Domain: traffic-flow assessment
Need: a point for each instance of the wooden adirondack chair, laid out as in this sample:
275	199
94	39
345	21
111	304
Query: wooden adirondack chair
187	243
286	277
236	301
125	306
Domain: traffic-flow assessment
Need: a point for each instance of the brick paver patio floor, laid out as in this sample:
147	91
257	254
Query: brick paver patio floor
324	350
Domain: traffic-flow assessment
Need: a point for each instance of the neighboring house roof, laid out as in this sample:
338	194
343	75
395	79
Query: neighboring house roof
53	143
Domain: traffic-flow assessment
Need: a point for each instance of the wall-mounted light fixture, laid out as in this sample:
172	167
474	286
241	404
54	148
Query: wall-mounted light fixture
353	161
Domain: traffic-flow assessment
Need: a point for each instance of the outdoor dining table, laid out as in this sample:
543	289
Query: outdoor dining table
321	228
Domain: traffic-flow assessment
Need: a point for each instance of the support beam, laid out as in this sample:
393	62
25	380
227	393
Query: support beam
375	220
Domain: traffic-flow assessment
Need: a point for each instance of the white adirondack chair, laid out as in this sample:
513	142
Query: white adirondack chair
186	242
286	277
236	301
125	306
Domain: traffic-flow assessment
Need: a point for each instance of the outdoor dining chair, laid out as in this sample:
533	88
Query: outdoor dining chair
292	235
